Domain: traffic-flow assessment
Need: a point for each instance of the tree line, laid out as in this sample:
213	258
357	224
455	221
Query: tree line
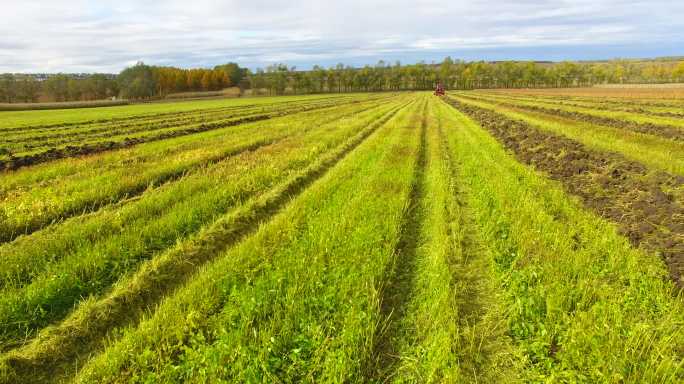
59	87
142	81
137	82
145	82
456	74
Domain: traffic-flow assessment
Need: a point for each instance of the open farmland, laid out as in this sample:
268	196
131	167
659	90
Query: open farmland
483	236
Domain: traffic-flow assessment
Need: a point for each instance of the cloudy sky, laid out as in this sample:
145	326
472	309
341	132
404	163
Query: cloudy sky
106	36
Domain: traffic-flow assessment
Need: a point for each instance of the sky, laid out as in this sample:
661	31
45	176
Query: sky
106	36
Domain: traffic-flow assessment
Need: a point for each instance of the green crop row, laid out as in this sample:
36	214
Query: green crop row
35	137
86	254
88	324
59	118
27	206
299	299
583	305
91	145
390	240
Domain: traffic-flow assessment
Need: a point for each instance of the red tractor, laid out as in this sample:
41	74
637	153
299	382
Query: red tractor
439	91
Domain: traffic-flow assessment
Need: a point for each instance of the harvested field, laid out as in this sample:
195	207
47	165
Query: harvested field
667	131
653	91
362	238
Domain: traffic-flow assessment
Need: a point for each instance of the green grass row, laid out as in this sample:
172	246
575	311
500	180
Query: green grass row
583	305
122	122
47	272
34	197
78	116
453	327
44	152
57	349
296	301
415	249
61	135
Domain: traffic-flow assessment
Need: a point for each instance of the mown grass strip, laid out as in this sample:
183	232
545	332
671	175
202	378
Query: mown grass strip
241	308
399	275
453	329
27	207
31	142
85	256
647	206
63	118
15	162
56	348
583	305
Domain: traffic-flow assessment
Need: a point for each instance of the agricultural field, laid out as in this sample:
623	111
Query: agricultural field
478	237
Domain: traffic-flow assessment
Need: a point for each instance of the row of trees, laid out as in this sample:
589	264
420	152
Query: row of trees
26	89
455	74
143	81
12	89
137	82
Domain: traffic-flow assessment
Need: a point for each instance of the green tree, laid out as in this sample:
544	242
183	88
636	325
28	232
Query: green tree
7	88
27	89
234	72
137	82
678	73
57	87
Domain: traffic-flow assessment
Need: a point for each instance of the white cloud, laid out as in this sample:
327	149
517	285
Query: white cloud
80	35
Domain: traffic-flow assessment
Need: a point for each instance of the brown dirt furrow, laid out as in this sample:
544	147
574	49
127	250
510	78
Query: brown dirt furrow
667	131
647	205
624	106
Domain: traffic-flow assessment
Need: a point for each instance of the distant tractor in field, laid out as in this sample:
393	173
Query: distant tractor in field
439	91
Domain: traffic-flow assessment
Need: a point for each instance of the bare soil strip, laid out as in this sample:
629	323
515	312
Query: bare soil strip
54	351
646	205
668	131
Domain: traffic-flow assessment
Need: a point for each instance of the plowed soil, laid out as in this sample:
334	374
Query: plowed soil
646	205
668	131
